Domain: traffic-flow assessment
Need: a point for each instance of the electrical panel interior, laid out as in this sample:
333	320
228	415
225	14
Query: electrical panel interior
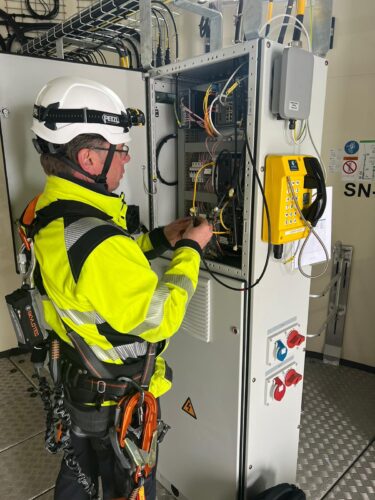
211	108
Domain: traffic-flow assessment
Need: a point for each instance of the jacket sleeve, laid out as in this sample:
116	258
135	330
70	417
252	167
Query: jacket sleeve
154	243
121	287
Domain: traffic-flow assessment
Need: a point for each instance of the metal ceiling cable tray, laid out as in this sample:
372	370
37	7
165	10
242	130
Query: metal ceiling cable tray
95	27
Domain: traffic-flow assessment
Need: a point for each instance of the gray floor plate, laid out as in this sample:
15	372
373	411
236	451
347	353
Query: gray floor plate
22	362
21	416
359	482
338	422
27	470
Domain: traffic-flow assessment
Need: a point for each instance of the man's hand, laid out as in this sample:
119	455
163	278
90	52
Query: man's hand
201	233
175	230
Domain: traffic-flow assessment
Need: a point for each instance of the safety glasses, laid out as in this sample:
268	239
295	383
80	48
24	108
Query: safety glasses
124	149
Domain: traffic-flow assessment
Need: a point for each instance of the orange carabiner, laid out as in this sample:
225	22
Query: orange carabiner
24	239
149	426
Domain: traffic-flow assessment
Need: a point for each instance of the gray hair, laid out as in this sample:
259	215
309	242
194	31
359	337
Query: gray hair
52	165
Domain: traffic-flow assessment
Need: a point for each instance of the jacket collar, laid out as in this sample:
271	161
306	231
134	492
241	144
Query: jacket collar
61	188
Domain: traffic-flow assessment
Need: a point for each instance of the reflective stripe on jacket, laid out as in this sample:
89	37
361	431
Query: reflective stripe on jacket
114	298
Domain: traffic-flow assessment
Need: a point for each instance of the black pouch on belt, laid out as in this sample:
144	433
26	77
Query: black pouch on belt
25	311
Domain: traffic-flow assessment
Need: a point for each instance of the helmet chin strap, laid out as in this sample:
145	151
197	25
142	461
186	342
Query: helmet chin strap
102	178
98	179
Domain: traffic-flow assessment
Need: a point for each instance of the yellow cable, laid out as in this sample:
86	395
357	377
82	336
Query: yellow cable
176	115
270	11
221	216
301	6
205	165
232	88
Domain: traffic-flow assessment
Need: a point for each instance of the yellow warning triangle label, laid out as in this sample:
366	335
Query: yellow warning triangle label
189	409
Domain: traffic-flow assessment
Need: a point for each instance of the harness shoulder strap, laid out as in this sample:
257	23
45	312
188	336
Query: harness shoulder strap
85	228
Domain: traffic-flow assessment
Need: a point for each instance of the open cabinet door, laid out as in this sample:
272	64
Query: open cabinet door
21	78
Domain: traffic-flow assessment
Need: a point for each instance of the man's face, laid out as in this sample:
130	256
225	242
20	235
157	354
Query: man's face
117	169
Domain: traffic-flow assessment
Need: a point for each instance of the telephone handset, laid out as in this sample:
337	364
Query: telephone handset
315	180
304	174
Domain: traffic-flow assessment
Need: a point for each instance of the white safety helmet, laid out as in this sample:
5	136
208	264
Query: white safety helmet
69	106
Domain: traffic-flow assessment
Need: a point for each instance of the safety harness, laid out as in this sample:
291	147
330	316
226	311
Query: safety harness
136	430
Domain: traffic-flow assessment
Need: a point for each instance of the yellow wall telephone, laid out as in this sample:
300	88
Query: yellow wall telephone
305	174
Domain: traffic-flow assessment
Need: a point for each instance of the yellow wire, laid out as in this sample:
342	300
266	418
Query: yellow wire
232	88
301	6
269	11
221	216
205	165
175	114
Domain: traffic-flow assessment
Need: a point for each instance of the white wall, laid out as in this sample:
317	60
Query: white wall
350	112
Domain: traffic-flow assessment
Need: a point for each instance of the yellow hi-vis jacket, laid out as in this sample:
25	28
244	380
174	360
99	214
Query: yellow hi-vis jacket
115	293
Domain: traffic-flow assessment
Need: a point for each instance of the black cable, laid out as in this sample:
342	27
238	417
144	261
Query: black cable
158	57
269	247
165	22
163	141
48	14
284	26
348	468
216	180
135	50
25	28
167	57
297	28
158	23
2	44
14	25
102	56
173	21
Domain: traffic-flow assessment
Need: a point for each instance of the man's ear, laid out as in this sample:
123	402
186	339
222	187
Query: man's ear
87	159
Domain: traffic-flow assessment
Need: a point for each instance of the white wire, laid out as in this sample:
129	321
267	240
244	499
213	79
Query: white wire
219	96
289	17
312	231
290	136
210	116
316	150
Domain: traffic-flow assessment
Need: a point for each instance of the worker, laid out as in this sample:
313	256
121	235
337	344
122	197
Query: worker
98	278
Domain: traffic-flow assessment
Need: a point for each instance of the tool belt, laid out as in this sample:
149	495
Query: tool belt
82	387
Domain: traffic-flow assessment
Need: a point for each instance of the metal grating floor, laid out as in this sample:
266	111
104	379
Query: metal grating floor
336	453
337	424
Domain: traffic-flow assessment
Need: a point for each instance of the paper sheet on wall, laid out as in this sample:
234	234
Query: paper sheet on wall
313	252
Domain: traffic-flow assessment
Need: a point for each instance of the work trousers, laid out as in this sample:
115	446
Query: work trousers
96	458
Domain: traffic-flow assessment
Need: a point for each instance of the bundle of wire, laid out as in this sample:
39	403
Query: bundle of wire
221	97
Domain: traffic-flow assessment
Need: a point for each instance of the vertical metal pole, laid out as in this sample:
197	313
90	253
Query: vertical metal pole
338	299
252	18
60	48
216	29
146	33
321	32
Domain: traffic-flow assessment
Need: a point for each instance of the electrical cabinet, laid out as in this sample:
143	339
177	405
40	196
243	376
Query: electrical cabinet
236	403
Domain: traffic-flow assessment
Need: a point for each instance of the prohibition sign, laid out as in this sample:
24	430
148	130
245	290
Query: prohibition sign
349	167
